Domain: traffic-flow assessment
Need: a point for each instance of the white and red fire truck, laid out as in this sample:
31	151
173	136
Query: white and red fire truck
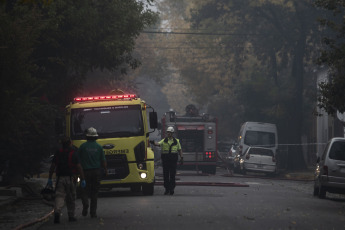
198	138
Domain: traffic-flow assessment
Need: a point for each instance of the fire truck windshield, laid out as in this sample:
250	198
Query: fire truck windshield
110	122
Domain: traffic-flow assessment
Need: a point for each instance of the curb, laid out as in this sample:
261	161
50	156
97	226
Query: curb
8	201
283	177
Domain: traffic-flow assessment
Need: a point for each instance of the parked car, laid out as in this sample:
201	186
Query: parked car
329	174
257	159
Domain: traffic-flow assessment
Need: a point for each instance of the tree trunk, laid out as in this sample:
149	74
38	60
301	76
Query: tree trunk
296	159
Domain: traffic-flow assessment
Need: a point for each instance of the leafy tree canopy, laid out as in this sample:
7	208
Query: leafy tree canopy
250	54
332	97
82	36
46	49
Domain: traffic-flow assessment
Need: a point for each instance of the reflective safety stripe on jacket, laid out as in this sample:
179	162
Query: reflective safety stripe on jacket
170	144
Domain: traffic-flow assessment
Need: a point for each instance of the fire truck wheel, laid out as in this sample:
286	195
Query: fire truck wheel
148	189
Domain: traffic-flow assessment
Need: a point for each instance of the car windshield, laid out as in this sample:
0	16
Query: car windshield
337	151
110	122
265	152
256	138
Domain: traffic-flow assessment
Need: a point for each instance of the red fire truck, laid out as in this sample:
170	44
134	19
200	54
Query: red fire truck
198	138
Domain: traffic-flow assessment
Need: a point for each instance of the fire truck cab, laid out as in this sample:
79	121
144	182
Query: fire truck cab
122	126
198	138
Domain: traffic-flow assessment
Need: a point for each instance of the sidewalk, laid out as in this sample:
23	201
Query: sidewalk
22	205
11	193
304	175
7	196
307	174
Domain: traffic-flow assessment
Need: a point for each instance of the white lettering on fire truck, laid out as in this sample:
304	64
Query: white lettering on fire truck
116	151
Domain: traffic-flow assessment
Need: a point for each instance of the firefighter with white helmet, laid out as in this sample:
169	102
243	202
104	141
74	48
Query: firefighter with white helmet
170	129
92	158
171	148
91	132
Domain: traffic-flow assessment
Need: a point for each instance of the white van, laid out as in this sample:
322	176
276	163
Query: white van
258	134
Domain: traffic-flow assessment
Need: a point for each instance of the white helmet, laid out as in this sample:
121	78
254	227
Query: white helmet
91	132
170	129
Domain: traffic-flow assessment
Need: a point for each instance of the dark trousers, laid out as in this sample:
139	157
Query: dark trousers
92	178
169	170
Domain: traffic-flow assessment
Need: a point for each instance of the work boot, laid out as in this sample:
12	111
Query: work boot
56	218
166	192
72	219
93	216
171	192
84	212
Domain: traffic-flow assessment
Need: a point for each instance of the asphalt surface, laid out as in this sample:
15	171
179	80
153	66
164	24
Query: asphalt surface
23	207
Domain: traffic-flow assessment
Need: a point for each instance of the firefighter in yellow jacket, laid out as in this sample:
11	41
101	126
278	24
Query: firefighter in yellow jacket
171	147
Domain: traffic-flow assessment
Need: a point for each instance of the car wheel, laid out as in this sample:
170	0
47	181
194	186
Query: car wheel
322	192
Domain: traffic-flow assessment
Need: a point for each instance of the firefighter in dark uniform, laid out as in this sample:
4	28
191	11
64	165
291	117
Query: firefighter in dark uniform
171	147
67	166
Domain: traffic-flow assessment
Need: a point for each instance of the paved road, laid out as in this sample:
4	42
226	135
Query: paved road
264	204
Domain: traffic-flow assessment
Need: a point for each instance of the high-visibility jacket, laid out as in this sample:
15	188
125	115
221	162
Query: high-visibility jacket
170	145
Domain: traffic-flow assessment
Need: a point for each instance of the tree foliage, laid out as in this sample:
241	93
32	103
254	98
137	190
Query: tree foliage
87	35
47	48
332	97
252	55
25	117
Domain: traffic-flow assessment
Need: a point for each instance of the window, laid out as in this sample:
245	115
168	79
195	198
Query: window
191	140
264	152
337	151
257	138
112	121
